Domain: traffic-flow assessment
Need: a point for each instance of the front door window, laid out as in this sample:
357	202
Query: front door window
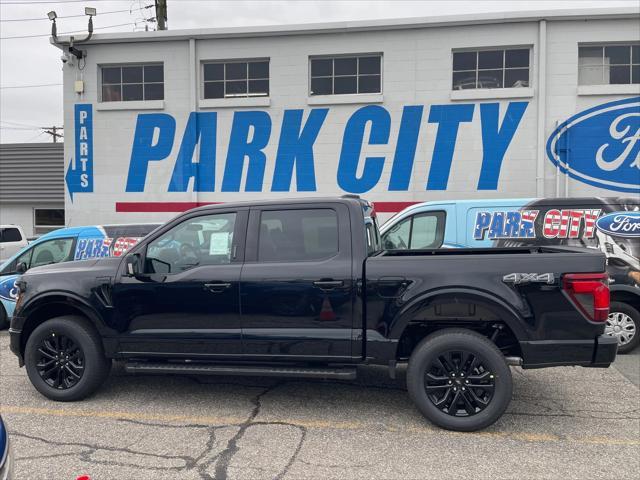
205	240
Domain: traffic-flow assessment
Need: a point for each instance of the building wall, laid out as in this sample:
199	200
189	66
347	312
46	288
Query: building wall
31	177
23	215
417	67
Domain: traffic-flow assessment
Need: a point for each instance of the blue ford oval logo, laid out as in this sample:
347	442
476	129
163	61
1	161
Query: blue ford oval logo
8	289
620	224
601	146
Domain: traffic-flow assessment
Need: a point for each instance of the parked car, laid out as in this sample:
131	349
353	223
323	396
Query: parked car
63	245
302	288
6	455
12	240
611	225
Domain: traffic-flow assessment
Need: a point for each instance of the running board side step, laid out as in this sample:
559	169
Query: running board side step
240	370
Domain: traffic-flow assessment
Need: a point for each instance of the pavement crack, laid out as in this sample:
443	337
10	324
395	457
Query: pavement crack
226	456
90	449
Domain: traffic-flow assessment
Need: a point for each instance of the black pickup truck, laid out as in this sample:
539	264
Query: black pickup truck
302	288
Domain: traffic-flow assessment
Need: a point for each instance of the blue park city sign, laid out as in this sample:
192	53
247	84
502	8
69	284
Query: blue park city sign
599	146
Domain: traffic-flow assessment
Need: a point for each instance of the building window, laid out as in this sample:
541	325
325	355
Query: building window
47	219
497	68
126	83
236	79
346	75
608	64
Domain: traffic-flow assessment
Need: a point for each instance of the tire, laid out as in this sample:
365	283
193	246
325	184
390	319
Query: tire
85	357
627	318
4	318
489	368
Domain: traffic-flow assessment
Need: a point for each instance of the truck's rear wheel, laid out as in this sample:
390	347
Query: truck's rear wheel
459	380
65	360
623	323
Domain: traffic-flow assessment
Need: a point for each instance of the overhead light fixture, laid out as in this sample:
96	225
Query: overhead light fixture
92	12
52	15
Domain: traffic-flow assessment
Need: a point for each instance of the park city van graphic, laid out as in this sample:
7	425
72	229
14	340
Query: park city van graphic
600	146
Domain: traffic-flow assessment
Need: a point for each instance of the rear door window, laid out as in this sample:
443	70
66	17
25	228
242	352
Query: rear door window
8	235
298	235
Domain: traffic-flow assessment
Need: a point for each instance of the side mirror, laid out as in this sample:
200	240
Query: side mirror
132	265
21	268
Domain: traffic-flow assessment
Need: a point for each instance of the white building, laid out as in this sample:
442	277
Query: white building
399	111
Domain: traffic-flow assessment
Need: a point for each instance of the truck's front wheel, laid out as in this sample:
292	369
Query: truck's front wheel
459	380
65	360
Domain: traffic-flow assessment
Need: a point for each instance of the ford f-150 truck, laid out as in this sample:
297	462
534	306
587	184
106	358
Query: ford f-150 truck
302	288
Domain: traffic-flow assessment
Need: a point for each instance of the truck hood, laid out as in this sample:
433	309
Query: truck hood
102	266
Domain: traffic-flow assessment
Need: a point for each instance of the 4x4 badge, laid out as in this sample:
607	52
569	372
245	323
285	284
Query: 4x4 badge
520	278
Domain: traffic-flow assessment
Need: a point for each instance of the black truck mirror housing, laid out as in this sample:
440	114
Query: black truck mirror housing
132	265
21	267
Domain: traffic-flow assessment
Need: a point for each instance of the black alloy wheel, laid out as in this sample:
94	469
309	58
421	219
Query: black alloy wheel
459	384
61	361
65	359
459	380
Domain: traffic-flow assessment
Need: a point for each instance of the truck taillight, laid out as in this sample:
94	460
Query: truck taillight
589	292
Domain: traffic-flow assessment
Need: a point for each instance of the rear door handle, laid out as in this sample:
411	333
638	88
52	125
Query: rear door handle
328	284
216	287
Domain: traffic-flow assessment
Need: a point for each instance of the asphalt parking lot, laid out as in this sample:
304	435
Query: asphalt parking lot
563	423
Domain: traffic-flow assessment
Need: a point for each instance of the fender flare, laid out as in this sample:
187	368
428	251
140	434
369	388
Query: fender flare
625	288
495	304
68	299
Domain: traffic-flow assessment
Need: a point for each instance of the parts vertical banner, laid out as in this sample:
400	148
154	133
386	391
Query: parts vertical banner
79	177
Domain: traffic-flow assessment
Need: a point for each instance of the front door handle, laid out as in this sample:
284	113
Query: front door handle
328	284
216	287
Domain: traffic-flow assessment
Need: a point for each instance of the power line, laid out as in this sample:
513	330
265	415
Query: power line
65	16
33	86
33	138
19	124
65	33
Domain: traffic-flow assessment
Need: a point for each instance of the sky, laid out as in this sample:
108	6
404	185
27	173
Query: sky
25	62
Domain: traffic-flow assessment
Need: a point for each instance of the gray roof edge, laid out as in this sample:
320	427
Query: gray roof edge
363	25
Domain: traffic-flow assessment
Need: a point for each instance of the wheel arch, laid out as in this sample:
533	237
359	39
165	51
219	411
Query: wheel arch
500	312
57	304
626	294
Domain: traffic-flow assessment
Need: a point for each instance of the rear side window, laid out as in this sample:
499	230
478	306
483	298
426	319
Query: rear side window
10	235
298	235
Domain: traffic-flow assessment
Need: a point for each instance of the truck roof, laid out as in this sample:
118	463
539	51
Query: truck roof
281	201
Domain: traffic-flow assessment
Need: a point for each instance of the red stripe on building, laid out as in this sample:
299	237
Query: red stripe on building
147	207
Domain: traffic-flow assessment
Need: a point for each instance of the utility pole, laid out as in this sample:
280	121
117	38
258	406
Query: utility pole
53	132
161	14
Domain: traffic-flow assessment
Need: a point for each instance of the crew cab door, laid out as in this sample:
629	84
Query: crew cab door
296	286
185	302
